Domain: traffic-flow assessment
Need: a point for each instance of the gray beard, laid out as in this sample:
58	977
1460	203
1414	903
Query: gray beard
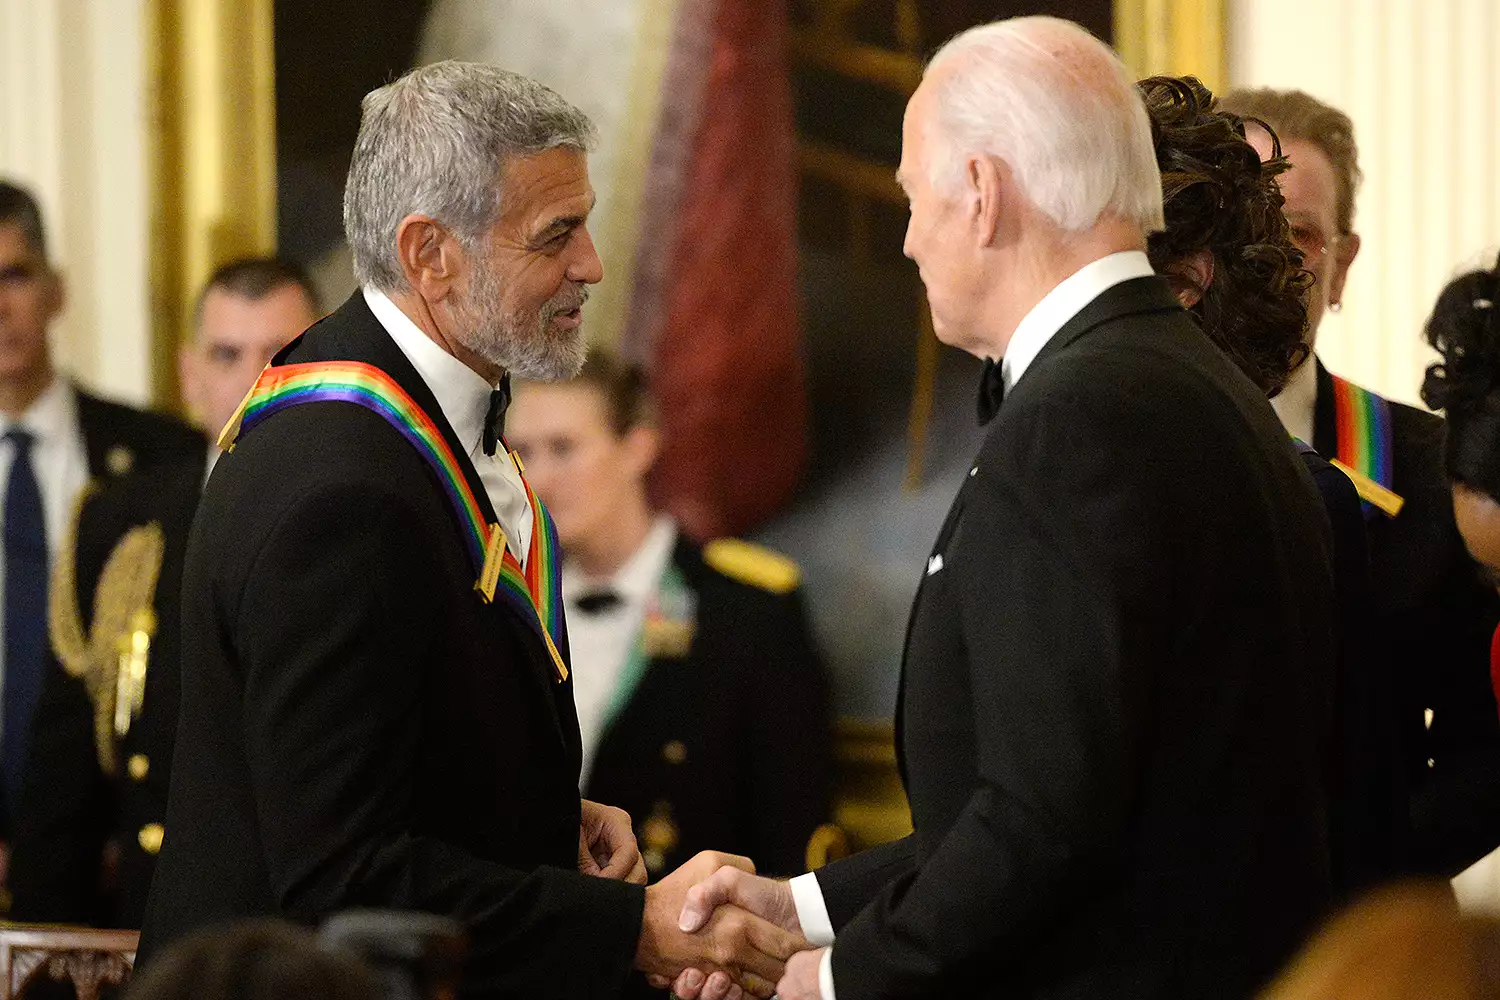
526	348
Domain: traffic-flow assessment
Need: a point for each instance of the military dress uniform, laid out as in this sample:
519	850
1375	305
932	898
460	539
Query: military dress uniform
719	732
101	756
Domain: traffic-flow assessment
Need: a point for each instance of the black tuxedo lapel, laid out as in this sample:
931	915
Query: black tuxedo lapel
354	334
1325	423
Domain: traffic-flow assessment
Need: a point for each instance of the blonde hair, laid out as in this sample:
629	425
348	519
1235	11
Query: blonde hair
1296	116
1405	943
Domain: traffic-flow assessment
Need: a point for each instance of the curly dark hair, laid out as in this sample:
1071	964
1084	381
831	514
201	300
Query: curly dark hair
1220	197
1465	384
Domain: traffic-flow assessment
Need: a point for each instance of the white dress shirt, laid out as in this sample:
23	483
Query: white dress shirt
603	641
464	397
1035	330
1296	405
61	464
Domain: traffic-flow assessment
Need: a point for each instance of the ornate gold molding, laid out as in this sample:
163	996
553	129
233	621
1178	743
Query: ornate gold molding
212	156
1176	37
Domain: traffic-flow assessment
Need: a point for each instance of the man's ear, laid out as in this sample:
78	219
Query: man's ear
987	180
430	256
1190	276
642	443
189	377
57	293
1343	254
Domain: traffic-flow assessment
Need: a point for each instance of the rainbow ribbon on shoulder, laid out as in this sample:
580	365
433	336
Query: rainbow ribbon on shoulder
535	591
1362	421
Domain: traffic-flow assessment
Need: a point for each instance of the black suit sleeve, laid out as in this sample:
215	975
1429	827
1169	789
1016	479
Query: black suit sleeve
338	610
850	883
63	819
1055	567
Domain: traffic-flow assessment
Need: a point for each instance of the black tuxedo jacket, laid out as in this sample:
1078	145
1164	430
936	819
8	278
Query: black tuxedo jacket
1115	702
69	807
729	747
357	727
1438	618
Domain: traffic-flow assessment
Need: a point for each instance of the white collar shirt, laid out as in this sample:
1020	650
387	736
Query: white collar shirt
1296	404
1065	301
603	641
464	397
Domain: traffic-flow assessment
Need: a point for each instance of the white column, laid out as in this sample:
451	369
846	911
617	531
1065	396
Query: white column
73	129
1420	80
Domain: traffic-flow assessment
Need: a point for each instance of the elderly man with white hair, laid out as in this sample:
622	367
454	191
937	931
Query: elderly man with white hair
1116	682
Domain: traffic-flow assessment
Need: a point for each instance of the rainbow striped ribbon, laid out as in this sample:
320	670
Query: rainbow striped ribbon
534	592
1363	423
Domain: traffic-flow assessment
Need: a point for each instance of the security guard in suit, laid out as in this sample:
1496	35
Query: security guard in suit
94	799
702	701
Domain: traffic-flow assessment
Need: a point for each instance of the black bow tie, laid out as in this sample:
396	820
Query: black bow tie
991	391
596	601
494	419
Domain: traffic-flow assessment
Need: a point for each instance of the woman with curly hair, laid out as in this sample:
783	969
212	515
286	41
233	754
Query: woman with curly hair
1228	252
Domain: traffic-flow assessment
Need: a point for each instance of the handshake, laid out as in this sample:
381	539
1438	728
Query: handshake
712	929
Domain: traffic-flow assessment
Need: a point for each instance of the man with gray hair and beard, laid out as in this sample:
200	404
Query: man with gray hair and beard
1115	696
376	700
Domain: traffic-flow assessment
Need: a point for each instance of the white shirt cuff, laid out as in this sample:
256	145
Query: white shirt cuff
812	912
825	975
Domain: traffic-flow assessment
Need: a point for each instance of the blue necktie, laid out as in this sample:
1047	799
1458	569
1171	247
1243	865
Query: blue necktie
25	613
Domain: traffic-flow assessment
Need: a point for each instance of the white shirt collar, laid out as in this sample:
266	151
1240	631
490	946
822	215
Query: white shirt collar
1296	404
638	577
462	393
1064	302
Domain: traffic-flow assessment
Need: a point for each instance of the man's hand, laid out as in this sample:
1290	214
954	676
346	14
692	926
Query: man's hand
732	942
800	982
765	897
606	844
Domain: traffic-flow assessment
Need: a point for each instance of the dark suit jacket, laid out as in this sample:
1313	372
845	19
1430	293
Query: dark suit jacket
357	727
70	807
731	744
1115	700
1438	617
1369	828
119	439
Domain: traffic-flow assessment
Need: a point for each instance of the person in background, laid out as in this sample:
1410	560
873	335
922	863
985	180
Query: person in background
702	701
1407	942
54	438
96	783
1465	385
1436	613
1228	253
256	960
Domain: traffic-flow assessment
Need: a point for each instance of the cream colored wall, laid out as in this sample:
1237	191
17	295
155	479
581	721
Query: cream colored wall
1421	80
73	128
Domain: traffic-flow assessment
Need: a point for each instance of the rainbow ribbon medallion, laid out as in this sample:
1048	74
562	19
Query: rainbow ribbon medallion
1363	424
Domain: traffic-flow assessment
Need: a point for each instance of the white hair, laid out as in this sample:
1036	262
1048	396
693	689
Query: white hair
1059	108
435	142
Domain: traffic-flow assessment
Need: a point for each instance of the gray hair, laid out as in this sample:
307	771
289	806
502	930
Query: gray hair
1060	109
435	142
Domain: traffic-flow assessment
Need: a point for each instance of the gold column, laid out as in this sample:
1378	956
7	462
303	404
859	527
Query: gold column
212	156
1175	37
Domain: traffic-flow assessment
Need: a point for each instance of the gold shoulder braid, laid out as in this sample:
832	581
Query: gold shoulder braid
64	622
112	661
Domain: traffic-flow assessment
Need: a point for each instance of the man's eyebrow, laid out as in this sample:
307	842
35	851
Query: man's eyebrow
561	225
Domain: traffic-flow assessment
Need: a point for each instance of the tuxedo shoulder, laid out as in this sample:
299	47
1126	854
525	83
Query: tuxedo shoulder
1415	422
752	565
168	434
